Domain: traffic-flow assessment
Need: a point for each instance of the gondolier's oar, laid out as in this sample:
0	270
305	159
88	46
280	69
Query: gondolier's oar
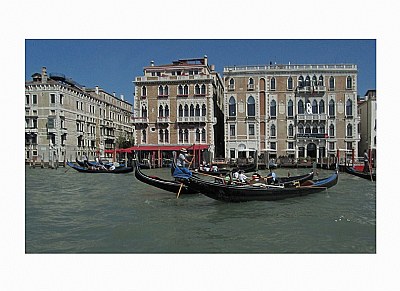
370	170
180	188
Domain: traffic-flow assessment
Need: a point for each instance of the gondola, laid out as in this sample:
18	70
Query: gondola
367	175
213	173
167	185
117	170
243	193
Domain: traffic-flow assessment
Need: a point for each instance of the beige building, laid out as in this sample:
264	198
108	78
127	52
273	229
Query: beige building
64	120
292	111
367	127
179	105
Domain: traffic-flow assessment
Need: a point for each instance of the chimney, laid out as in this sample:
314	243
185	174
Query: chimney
97	90
205	60
114	94
122	97
152	63
44	75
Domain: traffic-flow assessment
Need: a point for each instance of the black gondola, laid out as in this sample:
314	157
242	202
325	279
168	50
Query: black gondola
167	185
243	193
117	170
368	176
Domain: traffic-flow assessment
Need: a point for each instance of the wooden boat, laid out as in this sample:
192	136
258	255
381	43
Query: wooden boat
167	185
235	193
214	173
360	174
117	170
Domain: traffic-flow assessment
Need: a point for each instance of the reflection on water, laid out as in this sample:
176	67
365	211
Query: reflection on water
71	212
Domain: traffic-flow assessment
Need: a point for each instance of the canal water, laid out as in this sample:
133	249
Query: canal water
71	212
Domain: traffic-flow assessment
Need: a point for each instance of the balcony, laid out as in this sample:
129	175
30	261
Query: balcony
191	119
161	119
312	135
31	130
313	117
140	120
311	90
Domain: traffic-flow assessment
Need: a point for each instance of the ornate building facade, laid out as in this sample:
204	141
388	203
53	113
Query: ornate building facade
179	104
64	120
294	111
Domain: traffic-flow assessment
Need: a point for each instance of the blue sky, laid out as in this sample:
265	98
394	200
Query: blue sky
113	64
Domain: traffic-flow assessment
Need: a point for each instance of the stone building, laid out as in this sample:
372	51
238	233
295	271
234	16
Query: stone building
64	120
179	105
367	127
294	111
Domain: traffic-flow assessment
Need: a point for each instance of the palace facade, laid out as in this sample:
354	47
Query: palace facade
179	105
294	111
64	120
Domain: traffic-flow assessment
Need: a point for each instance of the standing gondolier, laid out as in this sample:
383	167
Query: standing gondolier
182	164
182	160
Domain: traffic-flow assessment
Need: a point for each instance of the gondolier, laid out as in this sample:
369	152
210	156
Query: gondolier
182	160
366	162
182	164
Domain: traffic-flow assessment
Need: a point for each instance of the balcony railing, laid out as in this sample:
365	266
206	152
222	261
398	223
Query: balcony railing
312	135
191	119
311	90
161	119
314	116
138	120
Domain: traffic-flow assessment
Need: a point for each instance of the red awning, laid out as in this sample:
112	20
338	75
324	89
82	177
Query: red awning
161	148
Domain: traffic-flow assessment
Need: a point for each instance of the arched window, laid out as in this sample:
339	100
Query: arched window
331	130
273	83
160	91
144	91
160	111
166	135
321	106
315	128
322	128
203	110
144	111
166	90
349	82
161	135
290	130
315	107
180	111
349	130
232	106
290	108
186	110
300	128
308	82
308	128
203	134
203	89
273	108
197	89
290	83
250	84
191	110
180	135
231	84
321	81
180	90
251	106
349	107
144	135
300	107
197	134
197	112
314	81
301	81
186	90
331	83
331	108
186	135
166	111
273	130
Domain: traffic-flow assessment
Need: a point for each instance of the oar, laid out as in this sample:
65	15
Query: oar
180	188
370	169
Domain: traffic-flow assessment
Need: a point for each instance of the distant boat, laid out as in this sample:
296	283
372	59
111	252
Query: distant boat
94	170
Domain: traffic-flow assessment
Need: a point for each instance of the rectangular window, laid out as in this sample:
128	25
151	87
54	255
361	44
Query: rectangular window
232	154
251	129
290	145
61	99
26	99
52	98
273	145
232	130
34	99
